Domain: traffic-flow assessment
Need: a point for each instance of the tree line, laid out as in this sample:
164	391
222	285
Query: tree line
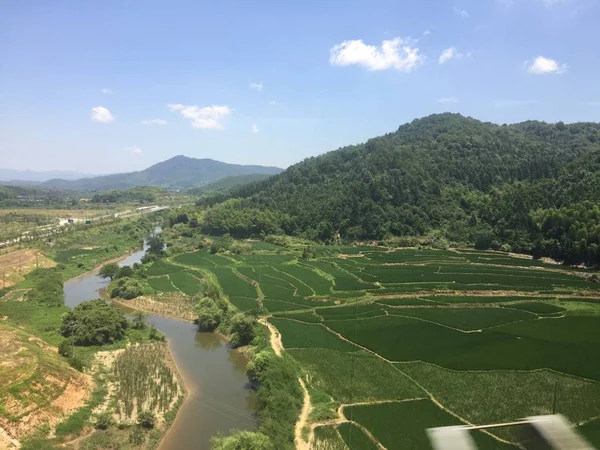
530	187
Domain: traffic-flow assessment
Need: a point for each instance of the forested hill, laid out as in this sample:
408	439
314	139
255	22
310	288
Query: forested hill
530	186
178	172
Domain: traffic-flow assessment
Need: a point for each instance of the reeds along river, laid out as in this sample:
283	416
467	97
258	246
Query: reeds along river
219	397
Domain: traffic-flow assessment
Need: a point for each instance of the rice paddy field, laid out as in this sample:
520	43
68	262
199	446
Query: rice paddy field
401	340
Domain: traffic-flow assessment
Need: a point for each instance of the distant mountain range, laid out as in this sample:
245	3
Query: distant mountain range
23	177
179	172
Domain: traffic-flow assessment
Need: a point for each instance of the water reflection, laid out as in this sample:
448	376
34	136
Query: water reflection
209	341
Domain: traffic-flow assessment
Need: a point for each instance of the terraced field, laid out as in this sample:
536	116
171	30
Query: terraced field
403	340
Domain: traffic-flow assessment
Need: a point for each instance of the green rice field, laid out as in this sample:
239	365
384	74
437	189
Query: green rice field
407	339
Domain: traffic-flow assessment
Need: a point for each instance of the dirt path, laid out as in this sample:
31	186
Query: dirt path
275	337
301	444
277	346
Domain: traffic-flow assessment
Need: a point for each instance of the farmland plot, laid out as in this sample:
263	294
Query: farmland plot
233	285
161	284
186	283
400	426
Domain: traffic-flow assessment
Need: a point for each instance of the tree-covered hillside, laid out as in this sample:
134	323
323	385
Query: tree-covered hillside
529	187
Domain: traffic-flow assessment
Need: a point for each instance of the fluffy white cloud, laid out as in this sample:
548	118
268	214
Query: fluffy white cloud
256	86
255	129
101	114
135	149
203	117
150	122
461	12
396	53
450	53
448	100
106	91
541	65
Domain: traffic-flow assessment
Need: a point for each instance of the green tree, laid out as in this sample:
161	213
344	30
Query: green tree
139	321
242	440
209	314
156	245
124	272
94	323
110	270
242	330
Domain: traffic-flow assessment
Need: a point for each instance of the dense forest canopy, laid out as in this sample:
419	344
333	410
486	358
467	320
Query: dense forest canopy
530	187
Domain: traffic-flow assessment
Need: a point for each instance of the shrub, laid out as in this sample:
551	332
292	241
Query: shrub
65	348
146	419
76	363
139	321
137	436
246	440
126	288
48	287
221	244
155	335
103	421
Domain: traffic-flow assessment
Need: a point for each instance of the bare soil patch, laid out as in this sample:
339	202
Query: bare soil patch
15	265
48	388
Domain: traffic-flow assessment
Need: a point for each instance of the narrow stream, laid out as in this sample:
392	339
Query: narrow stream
219	398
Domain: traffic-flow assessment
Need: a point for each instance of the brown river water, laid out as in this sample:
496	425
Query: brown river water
219	397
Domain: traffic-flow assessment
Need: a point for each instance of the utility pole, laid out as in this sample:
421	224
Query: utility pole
554	402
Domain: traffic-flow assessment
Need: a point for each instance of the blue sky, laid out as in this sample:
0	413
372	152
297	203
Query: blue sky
109	86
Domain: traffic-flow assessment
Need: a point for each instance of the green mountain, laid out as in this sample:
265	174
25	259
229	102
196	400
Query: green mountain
179	172
228	183
530	187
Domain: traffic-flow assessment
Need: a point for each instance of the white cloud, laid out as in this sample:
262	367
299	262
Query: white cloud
396	53
135	149
426	32
256	86
107	91
150	122
461	12
272	102
255	129
448	100
101	114
451	53
543	65
203	117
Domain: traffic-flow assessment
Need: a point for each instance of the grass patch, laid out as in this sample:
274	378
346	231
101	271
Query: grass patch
400	426
232	284
536	307
161	284
186	283
304	335
403	339
320	285
308	317
374	379
466	319
161	267
355	437
243	303
503	396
